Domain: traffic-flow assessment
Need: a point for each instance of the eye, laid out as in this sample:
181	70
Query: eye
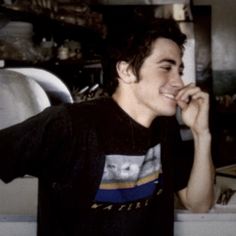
166	67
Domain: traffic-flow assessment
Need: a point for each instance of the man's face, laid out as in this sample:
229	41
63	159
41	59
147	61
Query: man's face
160	79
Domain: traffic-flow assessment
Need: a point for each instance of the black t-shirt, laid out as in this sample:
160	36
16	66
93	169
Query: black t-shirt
131	179
130	199
69	147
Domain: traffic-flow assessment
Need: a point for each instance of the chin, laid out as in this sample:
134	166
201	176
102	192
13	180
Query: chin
171	112
165	110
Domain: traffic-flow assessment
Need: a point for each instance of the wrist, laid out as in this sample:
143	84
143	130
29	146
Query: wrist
204	135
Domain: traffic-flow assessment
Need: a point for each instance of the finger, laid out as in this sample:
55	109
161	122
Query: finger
191	85
202	95
187	91
188	94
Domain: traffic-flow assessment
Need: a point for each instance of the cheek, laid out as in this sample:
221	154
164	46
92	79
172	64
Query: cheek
151	81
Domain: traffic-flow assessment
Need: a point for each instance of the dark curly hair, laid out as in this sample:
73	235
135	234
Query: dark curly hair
133	43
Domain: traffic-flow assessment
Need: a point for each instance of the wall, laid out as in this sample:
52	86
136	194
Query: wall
223	26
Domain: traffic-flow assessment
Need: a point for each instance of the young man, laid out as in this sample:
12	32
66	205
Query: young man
111	166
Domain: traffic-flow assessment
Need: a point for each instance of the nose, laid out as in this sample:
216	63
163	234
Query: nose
176	81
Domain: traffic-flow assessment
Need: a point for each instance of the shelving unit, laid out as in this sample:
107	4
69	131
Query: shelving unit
77	70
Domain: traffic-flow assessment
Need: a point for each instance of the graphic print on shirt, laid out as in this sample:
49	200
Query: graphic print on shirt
130	178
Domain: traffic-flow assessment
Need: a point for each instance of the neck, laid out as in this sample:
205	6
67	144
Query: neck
133	109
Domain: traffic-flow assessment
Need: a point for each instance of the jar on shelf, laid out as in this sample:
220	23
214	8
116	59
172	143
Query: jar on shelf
16	42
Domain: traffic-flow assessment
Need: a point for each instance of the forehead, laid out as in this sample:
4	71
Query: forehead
163	47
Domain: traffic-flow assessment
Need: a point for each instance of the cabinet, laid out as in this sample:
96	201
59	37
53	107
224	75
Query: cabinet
68	47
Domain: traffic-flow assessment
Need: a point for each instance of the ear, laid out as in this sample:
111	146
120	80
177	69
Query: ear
125	72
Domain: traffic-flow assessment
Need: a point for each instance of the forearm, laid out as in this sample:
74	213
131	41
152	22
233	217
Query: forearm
199	194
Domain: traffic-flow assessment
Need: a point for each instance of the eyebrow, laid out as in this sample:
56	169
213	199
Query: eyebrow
173	62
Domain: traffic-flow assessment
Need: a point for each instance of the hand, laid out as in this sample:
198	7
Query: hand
194	104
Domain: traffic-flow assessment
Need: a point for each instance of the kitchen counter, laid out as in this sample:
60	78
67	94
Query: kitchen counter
220	221
18	217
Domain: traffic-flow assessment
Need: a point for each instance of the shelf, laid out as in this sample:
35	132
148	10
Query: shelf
89	22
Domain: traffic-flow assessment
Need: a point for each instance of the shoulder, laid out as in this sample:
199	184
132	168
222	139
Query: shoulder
87	114
88	110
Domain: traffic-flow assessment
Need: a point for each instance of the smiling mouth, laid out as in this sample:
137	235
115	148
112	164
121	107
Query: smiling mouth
169	96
